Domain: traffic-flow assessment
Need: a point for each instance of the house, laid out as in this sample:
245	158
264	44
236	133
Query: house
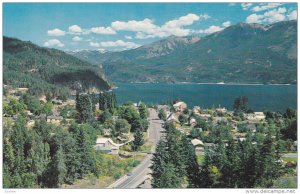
71	102
107	145
173	118
54	119
205	116
57	102
179	106
196	110
30	123
193	122
256	116
22	90
221	110
260	115
198	144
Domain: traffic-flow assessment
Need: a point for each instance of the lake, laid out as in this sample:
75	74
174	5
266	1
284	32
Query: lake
261	97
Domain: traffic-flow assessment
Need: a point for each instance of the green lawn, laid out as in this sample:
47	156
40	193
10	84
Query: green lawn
200	159
290	159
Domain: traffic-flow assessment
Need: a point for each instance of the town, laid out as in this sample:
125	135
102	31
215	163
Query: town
119	140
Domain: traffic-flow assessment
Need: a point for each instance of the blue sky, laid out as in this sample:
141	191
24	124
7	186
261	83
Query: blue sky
119	26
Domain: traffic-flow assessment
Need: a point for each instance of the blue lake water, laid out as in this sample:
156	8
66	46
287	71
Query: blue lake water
261	97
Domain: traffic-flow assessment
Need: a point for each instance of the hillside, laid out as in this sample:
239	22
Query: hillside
45	70
242	53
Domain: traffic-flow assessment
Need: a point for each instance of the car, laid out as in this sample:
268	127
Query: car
129	173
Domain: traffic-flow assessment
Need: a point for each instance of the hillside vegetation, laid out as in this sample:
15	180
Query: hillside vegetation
45	70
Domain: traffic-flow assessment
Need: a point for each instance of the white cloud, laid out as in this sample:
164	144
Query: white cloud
75	29
212	29
56	32
118	43
103	30
145	25
226	24
147	29
271	16
53	42
94	44
246	6
140	35
254	18
186	20
274	15
265	6
128	37
292	15
77	38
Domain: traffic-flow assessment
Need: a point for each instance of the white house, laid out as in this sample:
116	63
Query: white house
179	106
107	145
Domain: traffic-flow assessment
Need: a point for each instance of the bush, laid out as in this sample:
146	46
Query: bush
117	175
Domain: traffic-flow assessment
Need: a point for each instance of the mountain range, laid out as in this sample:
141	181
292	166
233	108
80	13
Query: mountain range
241	53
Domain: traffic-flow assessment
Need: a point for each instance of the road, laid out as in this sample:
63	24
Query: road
290	155
141	172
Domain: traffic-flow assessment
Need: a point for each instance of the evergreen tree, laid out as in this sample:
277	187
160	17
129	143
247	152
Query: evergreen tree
144	113
162	115
138	140
84	108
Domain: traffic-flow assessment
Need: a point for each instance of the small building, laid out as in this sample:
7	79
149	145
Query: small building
260	115
30	123
107	145
57	102
54	119
199	145
221	110
196	110
256	116
193	122
205	116
179	106
173	118
22	90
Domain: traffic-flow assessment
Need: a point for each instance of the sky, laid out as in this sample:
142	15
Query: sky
121	26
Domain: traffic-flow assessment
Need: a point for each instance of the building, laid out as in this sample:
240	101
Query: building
221	110
196	110
107	145
193	122
205	116
260	115
54	119
199	145
57	102
179	106
256	116
173	118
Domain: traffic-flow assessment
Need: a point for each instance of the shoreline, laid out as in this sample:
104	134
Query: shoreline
207	83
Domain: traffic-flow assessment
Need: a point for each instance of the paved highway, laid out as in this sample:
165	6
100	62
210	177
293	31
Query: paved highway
141	172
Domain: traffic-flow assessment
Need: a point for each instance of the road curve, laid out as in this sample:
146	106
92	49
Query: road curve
141	172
